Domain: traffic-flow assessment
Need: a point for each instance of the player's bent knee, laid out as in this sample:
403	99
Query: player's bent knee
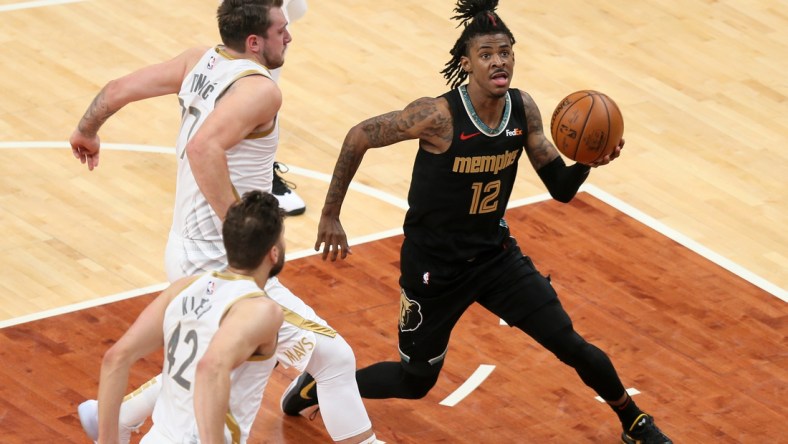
419	382
332	358
341	354
567	345
593	356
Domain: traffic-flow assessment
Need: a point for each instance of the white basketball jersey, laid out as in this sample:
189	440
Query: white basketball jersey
190	322
250	162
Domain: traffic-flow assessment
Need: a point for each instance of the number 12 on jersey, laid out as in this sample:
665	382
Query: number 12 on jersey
485	197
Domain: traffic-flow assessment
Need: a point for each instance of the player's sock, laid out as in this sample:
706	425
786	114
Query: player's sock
627	411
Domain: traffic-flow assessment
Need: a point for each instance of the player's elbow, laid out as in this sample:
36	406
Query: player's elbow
115	95
117	356
212	368
360	138
209	367
194	149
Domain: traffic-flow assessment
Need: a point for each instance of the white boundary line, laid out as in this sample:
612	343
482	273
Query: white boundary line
364	189
661	228
48	145
35	4
83	305
470	384
630	391
161	286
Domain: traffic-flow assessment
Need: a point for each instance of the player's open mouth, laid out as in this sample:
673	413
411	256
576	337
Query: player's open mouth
500	78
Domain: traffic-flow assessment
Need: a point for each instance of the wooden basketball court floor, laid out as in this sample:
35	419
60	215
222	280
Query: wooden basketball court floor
703	348
690	306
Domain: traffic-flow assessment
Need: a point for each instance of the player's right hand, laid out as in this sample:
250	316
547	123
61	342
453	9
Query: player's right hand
85	148
332	235
609	158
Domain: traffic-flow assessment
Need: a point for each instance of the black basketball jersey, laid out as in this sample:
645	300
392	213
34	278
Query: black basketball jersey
457	199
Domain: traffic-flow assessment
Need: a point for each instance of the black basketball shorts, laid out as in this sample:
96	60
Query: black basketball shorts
435	294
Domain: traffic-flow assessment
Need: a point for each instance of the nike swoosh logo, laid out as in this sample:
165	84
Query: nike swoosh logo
305	391
464	136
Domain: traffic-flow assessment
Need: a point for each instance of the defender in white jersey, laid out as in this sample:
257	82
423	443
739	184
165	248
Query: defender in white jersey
195	240
219	331
226	146
190	322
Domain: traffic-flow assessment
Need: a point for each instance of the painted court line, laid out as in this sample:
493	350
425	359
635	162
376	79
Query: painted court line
469	385
161	286
83	305
630	391
364	189
670	233
36	4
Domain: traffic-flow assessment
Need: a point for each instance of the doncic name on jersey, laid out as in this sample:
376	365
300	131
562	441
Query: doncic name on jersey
201	86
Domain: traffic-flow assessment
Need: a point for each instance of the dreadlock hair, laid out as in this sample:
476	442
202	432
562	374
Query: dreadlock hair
238	19
252	227
478	17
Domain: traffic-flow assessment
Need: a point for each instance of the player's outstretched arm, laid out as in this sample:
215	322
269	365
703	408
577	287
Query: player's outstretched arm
150	81
424	119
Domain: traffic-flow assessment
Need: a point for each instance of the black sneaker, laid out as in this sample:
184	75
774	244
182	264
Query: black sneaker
283	190
644	431
299	395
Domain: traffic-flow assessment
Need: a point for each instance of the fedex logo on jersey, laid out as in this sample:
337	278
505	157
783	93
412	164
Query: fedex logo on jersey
514	132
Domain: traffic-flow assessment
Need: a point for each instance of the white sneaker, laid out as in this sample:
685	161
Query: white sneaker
88	417
283	190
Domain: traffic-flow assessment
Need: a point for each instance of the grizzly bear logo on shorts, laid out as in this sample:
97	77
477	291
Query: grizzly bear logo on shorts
410	316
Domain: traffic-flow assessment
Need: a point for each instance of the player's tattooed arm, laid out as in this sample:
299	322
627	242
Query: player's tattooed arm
97	113
539	149
344	170
374	132
427	119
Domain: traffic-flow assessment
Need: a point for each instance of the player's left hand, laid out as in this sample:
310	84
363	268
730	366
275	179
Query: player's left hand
85	148
332	236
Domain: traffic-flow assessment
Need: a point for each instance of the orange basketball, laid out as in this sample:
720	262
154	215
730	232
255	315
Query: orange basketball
586	126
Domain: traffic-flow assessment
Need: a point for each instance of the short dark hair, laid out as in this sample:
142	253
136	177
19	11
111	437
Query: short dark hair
252	227
238	19
479	18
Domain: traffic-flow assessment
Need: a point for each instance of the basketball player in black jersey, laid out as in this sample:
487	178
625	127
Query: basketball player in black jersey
457	249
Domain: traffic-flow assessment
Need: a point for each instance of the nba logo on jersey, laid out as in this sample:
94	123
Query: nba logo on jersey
211	62
209	289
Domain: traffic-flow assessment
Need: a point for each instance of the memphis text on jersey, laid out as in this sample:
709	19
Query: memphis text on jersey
485	164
